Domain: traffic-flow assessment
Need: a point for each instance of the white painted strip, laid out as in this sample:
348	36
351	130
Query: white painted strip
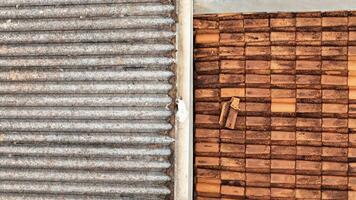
183	189
247	6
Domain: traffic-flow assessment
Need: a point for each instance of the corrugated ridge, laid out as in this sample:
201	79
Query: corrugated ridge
84	88
127	61
94	75
84	113
67	2
86	100
84	125
84	49
83	11
81	176
73	188
82	151
14	196
82	163
85	36
88	138
85	24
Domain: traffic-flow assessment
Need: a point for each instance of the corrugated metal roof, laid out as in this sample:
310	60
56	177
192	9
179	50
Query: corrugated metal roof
84	99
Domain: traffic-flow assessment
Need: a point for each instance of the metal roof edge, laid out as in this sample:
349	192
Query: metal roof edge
247	6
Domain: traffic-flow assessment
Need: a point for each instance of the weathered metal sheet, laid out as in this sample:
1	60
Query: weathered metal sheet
85	94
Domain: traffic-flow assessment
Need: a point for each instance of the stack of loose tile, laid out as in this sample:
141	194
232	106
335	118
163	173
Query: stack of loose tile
283	106
334	105
308	108
352	105
207	107
258	105
232	79
295	133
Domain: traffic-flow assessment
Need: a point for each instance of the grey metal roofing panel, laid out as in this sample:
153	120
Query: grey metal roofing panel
85	94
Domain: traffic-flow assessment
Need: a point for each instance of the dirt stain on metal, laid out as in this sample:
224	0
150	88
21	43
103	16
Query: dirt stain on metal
2	137
13	75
